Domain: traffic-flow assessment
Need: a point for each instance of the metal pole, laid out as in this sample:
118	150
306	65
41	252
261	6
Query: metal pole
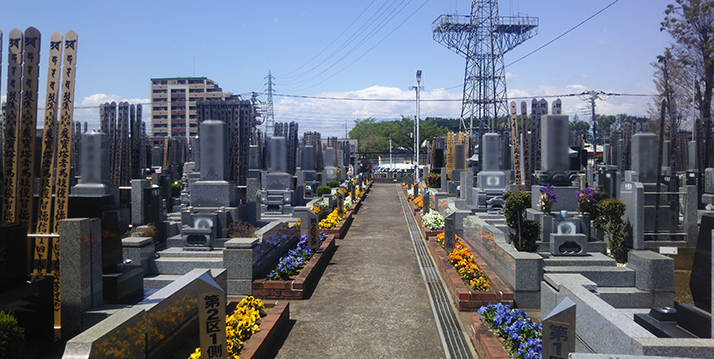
391	164
416	124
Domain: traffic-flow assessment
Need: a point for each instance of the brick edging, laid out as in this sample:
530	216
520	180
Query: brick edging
467	300
485	342
262	343
295	289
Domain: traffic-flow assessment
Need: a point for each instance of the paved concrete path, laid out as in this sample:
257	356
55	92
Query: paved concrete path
371	301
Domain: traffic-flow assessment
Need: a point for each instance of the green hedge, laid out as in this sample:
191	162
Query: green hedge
323	190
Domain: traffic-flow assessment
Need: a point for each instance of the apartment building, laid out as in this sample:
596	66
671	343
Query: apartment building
173	104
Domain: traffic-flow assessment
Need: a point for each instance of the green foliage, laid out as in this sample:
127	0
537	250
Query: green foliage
240	229
333	184
433	180
609	220
524	232
175	189
515	207
12	337
323	190
374	135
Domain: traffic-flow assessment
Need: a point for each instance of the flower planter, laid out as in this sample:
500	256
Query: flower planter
465	299
425	232
295	289
342	227
485	342
272	326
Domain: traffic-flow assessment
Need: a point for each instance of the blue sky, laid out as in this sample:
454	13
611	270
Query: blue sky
346	48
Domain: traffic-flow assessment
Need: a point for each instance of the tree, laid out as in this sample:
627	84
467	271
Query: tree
691	24
673	84
374	135
582	128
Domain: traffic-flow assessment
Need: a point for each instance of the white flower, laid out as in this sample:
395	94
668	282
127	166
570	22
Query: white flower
433	220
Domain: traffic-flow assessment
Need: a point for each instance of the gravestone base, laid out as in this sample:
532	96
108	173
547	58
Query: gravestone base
278	181
125	286
566	197
568	244
708	198
214	194
276	202
694	320
198	239
97	189
554	178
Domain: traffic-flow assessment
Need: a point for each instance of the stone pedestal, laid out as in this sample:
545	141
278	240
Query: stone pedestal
81	269
214	194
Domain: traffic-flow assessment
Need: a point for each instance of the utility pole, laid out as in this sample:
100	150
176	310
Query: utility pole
591	96
391	164
416	127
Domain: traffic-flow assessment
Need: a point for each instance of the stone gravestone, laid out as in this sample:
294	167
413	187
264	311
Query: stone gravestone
450	232
213	189
491	181
554	154
700	281
313	241
559	330
340	204
427	197
644	159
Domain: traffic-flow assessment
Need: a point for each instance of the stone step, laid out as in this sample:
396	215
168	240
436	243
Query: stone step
179	252
602	276
631	297
588	260
183	265
158	281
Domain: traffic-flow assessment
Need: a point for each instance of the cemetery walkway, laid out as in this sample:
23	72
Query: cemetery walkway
372	300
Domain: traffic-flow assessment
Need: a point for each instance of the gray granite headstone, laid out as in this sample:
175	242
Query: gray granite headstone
554	138
606	154
426	203
665	153
139	206
443	180
278	155
94	155
81	268
559	330
214	151
692	158
254	157
450	232
308	158
329	155
644	156
491	147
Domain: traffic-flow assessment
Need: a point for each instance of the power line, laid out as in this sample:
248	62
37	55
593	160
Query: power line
437	100
563	34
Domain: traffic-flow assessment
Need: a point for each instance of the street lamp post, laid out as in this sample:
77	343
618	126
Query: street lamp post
416	127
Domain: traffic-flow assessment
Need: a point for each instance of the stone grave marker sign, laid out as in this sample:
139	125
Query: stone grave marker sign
426	203
450	232
340	204
212	324
559	330
313	241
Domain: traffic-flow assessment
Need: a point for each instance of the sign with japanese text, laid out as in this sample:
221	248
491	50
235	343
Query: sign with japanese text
212	324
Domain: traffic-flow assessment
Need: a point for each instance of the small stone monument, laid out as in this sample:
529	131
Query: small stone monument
491	181
559	330
450	232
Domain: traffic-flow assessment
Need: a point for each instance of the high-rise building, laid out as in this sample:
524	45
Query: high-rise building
173	104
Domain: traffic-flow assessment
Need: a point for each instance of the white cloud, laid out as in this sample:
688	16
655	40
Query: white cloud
88	110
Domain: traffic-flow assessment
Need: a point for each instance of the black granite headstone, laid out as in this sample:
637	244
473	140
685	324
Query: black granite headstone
13	255
700	281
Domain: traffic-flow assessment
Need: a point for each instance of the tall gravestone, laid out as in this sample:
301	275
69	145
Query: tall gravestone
213	189
491	181
644	159
278	194
328	172
450	232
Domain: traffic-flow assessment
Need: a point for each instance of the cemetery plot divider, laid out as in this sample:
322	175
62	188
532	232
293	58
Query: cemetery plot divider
485	343
308	276
464	298
272	326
